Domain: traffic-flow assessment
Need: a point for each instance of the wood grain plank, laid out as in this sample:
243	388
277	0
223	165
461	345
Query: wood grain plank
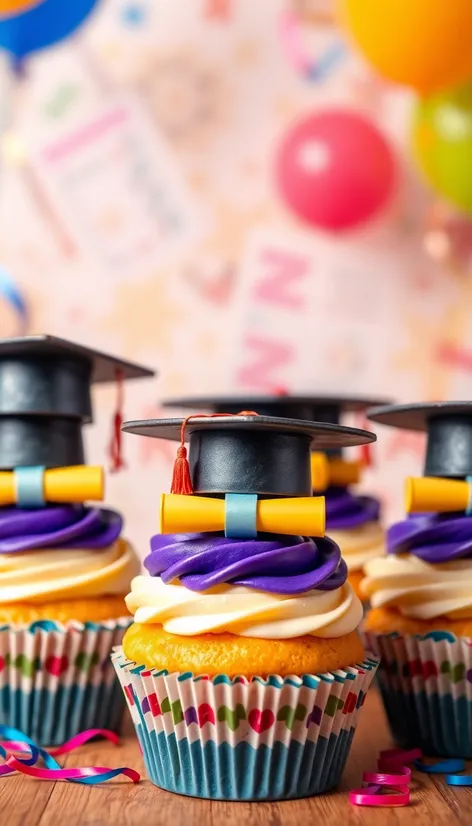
23	802
37	803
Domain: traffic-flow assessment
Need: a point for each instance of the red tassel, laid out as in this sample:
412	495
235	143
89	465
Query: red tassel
116	456
181	481
367	458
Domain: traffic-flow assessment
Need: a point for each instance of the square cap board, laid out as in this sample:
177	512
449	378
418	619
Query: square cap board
45	397
249	453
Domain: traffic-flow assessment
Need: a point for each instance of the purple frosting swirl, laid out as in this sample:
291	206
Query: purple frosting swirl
437	537
346	510
24	529
277	564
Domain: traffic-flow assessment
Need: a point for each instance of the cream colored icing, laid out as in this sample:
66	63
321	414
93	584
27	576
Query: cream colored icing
243	611
37	576
361	544
418	589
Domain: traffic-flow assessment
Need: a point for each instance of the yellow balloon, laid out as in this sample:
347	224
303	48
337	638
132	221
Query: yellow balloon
426	44
10	7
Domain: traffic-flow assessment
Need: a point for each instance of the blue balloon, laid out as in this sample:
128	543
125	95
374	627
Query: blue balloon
43	25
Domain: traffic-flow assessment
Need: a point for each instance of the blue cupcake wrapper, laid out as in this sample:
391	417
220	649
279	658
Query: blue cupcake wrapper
56	680
244	739
242	772
426	686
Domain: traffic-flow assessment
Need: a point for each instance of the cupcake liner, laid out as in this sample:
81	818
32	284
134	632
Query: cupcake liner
240	738
426	686
56	680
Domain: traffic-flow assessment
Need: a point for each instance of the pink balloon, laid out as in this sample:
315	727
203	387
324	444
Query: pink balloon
335	170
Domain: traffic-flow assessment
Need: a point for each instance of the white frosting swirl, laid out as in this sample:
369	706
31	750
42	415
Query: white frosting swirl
243	611
418	589
360	544
38	576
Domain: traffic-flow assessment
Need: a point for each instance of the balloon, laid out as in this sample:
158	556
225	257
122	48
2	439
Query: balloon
41	24
425	44
442	142
335	170
17	6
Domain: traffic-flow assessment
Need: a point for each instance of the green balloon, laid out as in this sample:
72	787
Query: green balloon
442	143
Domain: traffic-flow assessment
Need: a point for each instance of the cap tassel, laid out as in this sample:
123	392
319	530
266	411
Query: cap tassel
116	455
181	480
367	458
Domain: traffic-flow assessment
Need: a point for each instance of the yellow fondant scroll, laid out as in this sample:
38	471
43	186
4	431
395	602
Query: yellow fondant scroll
435	495
74	484
303	516
326	472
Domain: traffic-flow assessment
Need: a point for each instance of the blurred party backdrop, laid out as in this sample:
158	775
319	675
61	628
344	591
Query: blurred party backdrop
153	204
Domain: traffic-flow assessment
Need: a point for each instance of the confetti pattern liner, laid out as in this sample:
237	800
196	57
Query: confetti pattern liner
426	686
56	680
244	739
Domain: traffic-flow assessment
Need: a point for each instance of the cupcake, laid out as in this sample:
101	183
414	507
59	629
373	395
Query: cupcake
352	520
64	567
243	671
421	618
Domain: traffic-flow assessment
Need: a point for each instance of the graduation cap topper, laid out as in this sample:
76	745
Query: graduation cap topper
446	484
45	399
311	408
245	458
328	466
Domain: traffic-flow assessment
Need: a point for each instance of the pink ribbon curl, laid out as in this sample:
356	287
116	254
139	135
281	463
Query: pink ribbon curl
12	740
394	775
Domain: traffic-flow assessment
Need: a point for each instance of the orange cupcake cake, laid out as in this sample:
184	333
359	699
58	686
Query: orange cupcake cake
64	566
245	628
421	617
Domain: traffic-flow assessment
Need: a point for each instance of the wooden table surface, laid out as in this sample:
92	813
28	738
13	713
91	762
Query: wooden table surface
27	802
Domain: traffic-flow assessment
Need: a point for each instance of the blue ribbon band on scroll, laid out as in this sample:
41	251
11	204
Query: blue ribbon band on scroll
29	484
297	516
241	515
468	510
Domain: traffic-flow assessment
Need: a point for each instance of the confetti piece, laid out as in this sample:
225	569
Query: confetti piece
391	759
457	357
12	739
369	796
217	10
459	779
443	767
12	294
373	795
395	775
312	70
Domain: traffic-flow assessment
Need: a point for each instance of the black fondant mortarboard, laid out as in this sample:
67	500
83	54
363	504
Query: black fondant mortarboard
45	398
249	453
448	426
322	408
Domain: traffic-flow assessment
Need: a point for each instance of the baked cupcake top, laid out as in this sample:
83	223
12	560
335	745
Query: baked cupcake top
62	552
253	581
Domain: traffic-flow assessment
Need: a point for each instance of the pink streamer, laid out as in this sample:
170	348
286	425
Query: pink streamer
393	774
91	775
